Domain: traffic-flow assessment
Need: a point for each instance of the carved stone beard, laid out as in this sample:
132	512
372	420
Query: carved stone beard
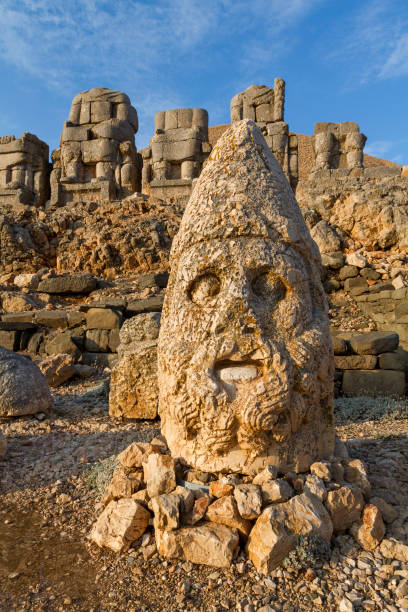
270	408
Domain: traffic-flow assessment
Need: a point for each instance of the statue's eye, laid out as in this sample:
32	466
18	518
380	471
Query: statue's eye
204	288
269	287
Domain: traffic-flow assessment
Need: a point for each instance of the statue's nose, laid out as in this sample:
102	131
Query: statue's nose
236	309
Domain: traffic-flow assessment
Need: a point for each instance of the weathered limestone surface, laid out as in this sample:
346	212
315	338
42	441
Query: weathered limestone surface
97	159
23	388
276	530
133	386
24	170
121	523
245	358
176	153
208	544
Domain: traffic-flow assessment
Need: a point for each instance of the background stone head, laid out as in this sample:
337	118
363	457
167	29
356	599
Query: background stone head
245	358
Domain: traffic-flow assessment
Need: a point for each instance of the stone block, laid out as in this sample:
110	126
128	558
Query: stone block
100	111
374	343
103	318
152	304
355	362
133	386
374	383
17	317
340	346
120	524
51	318
62	343
76	283
153	279
57	369
9	340
99	360
97	340
348	272
355	283
208	544
393	361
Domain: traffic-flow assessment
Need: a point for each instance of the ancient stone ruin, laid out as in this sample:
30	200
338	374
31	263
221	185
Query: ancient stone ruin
97	158
24	170
248	456
245	323
266	107
338	145
176	153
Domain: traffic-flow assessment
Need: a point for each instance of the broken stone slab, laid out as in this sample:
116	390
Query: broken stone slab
207	544
371	531
23	387
356	259
51	318
120	524
166	509
76	283
57	369
374	343
276	530
355	362
134	392
65	342
225	511
249	500
151	304
103	318
345	506
159	474
27	281
374	383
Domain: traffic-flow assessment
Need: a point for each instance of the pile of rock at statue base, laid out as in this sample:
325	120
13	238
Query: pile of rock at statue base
248	458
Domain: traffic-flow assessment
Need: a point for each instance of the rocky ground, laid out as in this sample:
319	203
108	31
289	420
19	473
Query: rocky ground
50	483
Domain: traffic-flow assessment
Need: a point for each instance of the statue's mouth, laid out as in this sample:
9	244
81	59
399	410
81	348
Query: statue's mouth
232	374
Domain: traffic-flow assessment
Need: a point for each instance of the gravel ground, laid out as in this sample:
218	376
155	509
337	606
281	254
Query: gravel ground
48	501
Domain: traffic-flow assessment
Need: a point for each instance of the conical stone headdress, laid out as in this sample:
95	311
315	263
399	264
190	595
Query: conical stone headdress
242	191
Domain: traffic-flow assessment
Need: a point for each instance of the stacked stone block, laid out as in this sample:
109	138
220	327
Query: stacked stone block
266	107
176	153
97	159
370	364
24	170
338	145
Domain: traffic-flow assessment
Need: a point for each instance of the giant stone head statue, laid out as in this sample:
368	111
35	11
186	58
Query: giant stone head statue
245	355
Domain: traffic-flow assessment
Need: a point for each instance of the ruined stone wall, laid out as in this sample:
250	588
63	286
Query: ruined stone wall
176	153
24	170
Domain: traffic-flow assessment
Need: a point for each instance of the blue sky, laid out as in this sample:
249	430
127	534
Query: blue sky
343	60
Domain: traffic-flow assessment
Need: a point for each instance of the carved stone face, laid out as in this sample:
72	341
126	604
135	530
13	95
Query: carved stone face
245	355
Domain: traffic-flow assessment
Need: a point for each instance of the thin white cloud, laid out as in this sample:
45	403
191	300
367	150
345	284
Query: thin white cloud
379	148
373	41
143	47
